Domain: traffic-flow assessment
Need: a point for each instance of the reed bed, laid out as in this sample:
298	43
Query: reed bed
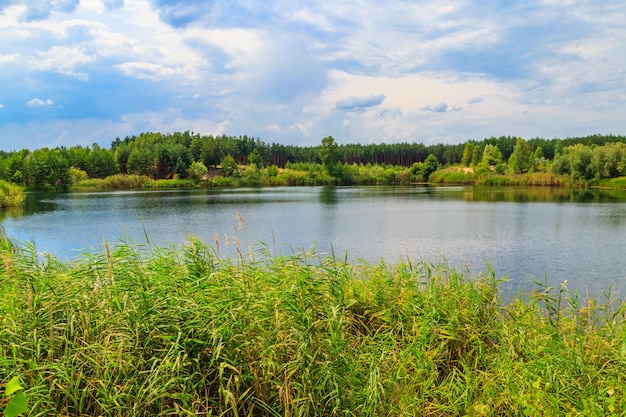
144	331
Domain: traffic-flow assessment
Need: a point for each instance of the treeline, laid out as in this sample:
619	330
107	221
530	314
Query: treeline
185	154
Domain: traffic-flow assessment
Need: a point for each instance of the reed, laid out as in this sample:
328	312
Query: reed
143	331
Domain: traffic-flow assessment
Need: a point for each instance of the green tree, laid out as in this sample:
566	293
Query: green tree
328	154
198	171
431	164
468	152
255	159
477	155
100	163
580	157
47	168
229	166
492	155
520	159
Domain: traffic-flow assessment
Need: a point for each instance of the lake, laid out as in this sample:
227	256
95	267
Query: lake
544	234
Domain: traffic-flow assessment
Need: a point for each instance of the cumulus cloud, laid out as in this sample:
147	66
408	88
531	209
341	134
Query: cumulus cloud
360	103
439	108
295	71
37	102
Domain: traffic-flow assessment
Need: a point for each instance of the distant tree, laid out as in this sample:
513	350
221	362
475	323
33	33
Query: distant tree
229	166
255	159
430	165
47	167
328	154
197	171
477	155
580	157
100	163
492	155
520	159
140	162
468	152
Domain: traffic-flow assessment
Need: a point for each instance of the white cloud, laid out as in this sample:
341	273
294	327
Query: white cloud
297	72
63	60
1	105
37	102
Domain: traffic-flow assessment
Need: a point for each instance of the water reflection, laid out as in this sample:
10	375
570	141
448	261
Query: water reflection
578	235
328	195
543	194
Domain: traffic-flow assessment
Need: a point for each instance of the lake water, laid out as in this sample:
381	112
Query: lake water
526	234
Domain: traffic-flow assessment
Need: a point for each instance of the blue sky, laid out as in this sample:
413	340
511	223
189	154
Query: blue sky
77	72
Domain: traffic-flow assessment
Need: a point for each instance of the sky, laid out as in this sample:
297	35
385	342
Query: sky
78	72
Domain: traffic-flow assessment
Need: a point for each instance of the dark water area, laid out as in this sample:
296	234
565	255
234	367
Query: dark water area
526	234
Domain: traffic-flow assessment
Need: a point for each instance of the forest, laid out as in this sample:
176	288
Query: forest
188	155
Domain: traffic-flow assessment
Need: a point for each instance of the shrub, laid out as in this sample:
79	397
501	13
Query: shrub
11	195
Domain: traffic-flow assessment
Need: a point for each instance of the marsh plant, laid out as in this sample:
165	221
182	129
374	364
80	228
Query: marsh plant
142	331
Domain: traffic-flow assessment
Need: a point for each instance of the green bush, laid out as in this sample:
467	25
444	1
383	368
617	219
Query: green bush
11	195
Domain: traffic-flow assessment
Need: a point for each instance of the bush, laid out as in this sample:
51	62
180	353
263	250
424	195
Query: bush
123	182
11	195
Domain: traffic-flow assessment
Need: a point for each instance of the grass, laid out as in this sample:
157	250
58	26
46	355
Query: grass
143	331
616	183
114	182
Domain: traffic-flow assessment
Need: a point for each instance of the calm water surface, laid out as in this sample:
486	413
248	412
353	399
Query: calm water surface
525	234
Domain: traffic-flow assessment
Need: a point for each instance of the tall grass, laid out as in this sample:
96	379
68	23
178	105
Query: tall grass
115	182
145	331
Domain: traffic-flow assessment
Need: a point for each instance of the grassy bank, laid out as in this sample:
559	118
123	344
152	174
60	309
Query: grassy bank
179	331
456	175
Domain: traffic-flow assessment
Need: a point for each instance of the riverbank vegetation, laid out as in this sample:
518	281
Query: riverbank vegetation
11	195
156	160
144	331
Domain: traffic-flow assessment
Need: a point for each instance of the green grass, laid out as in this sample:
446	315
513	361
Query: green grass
616	183
145	331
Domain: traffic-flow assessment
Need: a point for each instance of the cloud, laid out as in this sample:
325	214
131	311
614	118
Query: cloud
40	9
181	13
359	103
112	4
37	102
294	72
63	60
1	105
439	108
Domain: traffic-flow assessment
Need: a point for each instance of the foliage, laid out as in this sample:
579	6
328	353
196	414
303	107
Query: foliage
328	154
229	166
198	171
14	401
11	195
468	152
169	184
520	159
255	159
182	331
453	175
77	175
167	156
